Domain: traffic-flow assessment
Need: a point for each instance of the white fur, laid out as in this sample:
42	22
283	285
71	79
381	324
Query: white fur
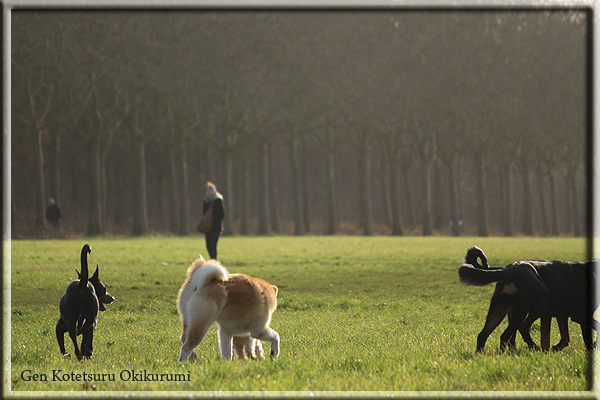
203	300
212	269
209	270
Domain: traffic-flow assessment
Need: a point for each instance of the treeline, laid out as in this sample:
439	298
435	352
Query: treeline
308	121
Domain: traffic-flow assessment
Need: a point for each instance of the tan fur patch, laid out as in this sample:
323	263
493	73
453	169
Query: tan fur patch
510	289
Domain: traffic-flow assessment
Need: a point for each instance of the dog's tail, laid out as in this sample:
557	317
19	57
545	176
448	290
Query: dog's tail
83	276
205	272
480	277
474	254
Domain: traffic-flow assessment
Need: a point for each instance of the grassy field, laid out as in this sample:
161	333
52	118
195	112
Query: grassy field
355	314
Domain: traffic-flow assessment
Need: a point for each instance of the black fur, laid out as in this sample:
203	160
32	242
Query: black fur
79	308
532	289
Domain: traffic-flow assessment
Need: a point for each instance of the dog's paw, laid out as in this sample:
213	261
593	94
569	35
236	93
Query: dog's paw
67	355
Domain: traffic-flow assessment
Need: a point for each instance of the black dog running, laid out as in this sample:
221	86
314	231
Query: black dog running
79	308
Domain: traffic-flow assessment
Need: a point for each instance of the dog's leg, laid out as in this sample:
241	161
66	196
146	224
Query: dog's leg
225	343
512	342
545	328
80	325
563	327
88	338
196	325
499	307
269	335
240	345
586	332
512	329
254	348
73	336
193	337
61	329
525	329
192	355
258	350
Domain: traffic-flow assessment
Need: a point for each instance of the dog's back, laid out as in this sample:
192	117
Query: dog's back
570	287
250	303
78	302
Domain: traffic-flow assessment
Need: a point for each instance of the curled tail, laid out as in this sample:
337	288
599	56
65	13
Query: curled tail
473	255
209	271
480	277
199	274
83	276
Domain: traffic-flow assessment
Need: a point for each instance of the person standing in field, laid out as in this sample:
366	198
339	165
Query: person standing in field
53	213
215	199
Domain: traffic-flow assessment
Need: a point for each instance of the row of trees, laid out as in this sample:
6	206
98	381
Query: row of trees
315	121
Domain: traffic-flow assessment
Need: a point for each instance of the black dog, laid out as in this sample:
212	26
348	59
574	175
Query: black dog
79	309
532	289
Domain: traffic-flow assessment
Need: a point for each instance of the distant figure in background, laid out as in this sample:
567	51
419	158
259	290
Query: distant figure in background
53	213
214	199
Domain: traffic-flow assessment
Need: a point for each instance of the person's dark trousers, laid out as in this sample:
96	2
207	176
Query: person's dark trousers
211	243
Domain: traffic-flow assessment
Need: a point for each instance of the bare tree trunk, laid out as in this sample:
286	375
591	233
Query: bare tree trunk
13	208
576	211
55	170
209	162
183	212
332	218
274	216
385	190
94	199
365	187
296	188
508	200
427	227
483	229
103	189
174	191
454	213
527	202
553	206
228	196
304	166
40	203
263	214
395	201
244	199
437	199
408	204
569	216
542	196
139	206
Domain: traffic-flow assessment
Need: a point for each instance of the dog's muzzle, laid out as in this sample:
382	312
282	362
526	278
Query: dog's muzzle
106	299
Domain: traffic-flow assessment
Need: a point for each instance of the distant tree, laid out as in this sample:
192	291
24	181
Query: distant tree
34	69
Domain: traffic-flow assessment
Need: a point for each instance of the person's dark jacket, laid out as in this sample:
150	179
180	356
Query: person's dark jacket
53	214
217	210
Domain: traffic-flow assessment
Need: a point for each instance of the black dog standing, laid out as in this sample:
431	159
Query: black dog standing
531	289
79	308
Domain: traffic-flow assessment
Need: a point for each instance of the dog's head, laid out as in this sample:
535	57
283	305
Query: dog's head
103	296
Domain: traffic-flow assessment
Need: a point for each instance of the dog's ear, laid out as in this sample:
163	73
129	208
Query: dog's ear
95	276
200	257
78	274
274	289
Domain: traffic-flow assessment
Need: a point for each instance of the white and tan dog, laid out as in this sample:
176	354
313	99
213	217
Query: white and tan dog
240	305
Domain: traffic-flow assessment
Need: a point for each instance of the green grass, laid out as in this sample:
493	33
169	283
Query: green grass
355	314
